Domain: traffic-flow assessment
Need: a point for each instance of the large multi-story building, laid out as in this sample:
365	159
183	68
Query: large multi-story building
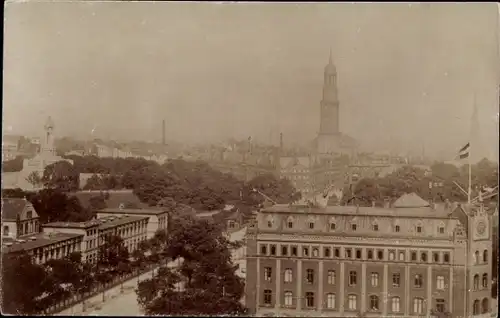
410	259
132	229
44	246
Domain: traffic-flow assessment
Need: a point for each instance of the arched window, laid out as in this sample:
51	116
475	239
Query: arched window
476	282
423	257
418	281
485	256
374	279
352	302
333	226
395	304
288	275
289	222
418	306
485	306
288	298
485	280
353	279
374	303
475	308
476	257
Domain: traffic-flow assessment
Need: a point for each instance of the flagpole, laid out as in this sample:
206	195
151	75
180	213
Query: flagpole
470	182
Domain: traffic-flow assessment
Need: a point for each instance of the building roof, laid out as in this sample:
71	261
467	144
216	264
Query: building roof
36	241
113	198
12	207
147	211
411	212
410	200
101	223
111	222
73	225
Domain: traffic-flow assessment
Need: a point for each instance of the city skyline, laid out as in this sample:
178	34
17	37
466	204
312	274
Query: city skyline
119	68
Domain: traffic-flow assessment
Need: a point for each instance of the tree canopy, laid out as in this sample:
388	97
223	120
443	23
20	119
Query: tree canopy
204	284
442	178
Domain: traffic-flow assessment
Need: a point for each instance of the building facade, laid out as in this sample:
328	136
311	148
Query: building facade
19	218
408	260
132	229
45	246
157	217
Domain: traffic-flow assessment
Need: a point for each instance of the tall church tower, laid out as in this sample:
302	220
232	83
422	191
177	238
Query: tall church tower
48	146
329	113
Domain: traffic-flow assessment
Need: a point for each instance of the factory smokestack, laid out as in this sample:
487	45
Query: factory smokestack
163	132
281	141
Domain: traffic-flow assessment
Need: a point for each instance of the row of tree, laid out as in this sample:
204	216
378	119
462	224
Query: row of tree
33	288
207	272
438	185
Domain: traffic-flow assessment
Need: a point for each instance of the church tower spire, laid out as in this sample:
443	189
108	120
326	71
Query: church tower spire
329	113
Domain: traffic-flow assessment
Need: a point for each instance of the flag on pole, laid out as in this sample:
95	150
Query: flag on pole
463	153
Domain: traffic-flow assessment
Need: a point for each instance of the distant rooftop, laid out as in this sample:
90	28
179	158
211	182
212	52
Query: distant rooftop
101	223
12	207
408	205
410	200
36	241
148	211
114	198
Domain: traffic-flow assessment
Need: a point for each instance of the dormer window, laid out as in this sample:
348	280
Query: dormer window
270	222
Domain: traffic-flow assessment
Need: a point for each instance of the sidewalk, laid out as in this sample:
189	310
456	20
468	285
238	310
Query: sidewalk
96	302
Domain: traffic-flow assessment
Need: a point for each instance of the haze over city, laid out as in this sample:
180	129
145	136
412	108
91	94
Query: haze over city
407	75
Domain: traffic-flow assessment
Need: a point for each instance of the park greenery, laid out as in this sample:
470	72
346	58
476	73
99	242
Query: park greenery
443	177
194	184
205	282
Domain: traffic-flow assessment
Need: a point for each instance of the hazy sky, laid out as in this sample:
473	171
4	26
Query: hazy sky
407	74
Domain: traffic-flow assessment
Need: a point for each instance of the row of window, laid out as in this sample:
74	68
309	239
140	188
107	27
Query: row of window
484	282
356	253
480	307
418	281
483	260
352	302
290	224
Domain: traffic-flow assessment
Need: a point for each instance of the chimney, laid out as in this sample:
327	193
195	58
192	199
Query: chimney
163	132
281	141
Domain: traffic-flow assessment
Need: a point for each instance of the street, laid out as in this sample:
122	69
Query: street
125	304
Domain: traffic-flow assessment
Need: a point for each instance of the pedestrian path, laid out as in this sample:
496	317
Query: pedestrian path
115	301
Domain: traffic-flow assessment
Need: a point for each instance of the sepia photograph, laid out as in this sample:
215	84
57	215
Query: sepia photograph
253	159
